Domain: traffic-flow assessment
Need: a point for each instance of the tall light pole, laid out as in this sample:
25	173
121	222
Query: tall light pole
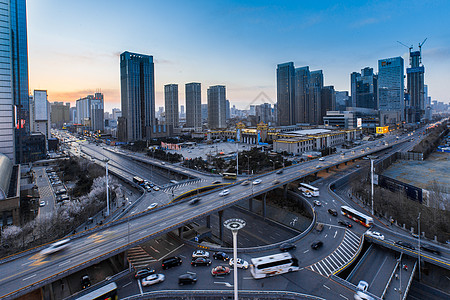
237	158
371	157
418	220
107	187
234	225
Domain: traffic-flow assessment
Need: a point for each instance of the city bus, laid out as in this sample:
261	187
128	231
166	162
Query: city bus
138	180
273	265
356	216
232	176
306	188
107	292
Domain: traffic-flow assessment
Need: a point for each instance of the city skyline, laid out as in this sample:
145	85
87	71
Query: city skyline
71	58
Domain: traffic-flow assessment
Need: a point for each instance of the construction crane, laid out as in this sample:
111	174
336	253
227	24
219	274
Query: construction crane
410	47
420	49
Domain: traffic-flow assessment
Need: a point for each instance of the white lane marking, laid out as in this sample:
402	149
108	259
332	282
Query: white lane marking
326	287
343	296
335	234
164	256
120	241
64	263
140	287
28	277
93	251
27	263
326	235
305	251
224	283
127	284
154	249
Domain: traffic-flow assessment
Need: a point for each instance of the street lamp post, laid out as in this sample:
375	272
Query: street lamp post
237	158
418	220
107	187
371	157
234	225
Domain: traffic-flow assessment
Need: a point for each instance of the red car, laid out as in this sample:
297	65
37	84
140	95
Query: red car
220	270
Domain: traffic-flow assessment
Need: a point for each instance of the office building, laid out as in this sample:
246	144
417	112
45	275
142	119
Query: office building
314	111
364	88
227	109
41	114
264	113
302	81
391	85
193	95
137	85
116	113
328	98
73	114
342	100
90	112
286	94
415	87
217	107
171	104
59	114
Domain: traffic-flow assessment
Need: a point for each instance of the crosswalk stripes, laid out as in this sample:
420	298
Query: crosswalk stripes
341	256
138	258
182	185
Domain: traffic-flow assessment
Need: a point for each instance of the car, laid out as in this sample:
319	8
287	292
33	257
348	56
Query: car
276	181
345	223
257	181
220	270
187	278
224	193
153	205
144	273
85	282
152	279
279	171
362	286
163	163
287	247
149	189
308	195
430	248
171	262
405	245
155	188
318	167
55	247
241	264
246	182
332	211
42	203
358	166
362	296
375	234
221	256
216	182
316	245
317	203
194	201
201	261
200	253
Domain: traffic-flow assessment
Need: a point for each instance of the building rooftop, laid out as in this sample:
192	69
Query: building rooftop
311	131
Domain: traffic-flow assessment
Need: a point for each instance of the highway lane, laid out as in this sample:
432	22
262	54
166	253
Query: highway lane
161	220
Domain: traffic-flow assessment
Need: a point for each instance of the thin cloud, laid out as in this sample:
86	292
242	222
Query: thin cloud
369	21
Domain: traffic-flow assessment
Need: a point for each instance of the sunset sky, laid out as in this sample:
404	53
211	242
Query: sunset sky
74	46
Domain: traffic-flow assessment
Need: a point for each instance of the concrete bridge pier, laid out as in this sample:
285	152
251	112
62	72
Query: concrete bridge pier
208	221
337	166
221	225
180	231
264	206
285	190
328	170
250	204
345	163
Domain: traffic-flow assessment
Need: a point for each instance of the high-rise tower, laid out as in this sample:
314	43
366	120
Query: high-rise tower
415	78
217	107
286	94
193	105
171	104
391	84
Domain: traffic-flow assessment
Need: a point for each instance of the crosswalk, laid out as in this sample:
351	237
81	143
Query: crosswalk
138	258
340	257
180	185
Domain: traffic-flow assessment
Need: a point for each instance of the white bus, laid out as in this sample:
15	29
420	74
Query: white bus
273	264
356	216
309	189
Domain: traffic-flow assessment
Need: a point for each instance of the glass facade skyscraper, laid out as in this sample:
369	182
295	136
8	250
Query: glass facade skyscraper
137	86
391	85
286	94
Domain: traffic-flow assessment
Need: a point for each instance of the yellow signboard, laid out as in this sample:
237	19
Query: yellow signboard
383	130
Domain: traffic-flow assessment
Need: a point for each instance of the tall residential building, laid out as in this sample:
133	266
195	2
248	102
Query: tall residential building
137	85
171	105
90	112
286	94
14	127
302	80
59	113
364	89
391	85
328	98
264	113
193	93
217	107
116	113
41	114
415	78
315	98
227	109
204	112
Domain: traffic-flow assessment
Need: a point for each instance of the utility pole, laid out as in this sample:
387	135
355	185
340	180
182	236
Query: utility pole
418	219
107	187
371	157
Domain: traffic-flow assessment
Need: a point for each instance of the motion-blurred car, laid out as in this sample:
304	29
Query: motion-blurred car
144	273
153	279
200	253
55	247
405	245
257	181
221	256
287	247
220	270
345	223
201	261
316	245
153	205
224	193
375	234
246	182
241	264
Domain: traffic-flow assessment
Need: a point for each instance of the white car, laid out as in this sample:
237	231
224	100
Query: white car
153	205
153	279
55	247
318	167
375	234
42	203
306	195
257	181
200	253
362	286
317	203
322	158
156	188
241	264
224	193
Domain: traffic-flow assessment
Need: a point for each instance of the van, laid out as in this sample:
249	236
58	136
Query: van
171	262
